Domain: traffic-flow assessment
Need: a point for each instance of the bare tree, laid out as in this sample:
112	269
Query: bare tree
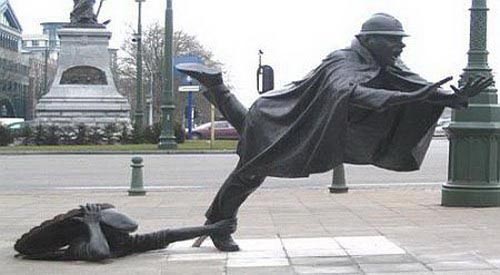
153	47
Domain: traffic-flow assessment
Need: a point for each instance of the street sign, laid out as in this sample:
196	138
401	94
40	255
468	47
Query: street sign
189	88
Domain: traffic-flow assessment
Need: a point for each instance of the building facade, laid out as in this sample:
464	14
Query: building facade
14	67
43	53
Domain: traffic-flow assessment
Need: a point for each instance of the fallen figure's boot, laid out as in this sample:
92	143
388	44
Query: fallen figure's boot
97	232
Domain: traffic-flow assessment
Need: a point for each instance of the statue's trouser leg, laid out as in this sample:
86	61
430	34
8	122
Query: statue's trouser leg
232	194
229	106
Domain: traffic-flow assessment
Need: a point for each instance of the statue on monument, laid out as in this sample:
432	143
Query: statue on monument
83	12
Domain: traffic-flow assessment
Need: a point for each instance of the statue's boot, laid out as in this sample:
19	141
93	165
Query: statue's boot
223	242
216	92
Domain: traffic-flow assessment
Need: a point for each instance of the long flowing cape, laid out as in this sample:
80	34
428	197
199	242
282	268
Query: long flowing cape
302	129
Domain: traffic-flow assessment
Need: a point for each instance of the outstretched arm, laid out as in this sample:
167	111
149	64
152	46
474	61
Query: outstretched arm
93	247
379	99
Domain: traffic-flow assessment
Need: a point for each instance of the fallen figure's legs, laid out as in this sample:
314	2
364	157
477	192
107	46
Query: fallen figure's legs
95	234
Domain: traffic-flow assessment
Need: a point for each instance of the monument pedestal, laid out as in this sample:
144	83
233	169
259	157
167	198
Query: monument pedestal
83	90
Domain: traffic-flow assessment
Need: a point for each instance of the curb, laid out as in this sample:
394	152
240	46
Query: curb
167	152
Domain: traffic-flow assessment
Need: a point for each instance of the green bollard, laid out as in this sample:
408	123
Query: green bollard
338	180
136	184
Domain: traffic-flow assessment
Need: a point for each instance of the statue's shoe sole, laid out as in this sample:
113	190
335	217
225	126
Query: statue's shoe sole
197	70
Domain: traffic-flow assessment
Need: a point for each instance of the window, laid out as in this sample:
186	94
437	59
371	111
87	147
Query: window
3	20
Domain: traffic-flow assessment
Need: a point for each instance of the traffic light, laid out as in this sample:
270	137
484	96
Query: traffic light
265	76
265	79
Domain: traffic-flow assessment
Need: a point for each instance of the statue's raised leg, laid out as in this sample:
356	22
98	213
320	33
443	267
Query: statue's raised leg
217	93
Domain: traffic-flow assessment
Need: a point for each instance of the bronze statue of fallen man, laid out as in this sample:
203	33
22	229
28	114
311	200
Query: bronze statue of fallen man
97	232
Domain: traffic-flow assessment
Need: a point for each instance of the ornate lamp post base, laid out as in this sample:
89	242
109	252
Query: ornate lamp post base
474	167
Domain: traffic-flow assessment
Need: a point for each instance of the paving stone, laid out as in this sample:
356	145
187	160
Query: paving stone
256	262
352	269
319	261
384	259
393	267
460	265
304	247
282	270
189	268
196	257
377	245
467	272
494	262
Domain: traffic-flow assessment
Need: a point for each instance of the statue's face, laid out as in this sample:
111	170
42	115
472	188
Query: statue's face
386	49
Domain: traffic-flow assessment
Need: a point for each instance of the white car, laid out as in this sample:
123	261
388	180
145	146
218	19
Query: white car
442	123
6	121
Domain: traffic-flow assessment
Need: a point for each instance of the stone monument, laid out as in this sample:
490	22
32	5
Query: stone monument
83	90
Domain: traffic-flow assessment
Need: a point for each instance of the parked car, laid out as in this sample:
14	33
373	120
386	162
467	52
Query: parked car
6	121
16	128
223	130
442	123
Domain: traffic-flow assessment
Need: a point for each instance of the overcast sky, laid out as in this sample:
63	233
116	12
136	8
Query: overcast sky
294	34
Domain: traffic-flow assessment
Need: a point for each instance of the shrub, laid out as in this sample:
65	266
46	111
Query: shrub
39	136
52	135
179	132
109	134
82	135
125	134
137	135
5	136
149	135
26	135
96	135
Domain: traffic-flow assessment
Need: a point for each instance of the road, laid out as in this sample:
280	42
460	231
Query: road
67	172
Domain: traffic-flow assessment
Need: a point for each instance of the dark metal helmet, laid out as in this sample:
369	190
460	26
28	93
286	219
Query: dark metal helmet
382	24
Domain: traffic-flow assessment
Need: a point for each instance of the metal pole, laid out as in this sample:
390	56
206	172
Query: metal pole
150	103
212	126
138	121
167	137
190	113
136	182
338	180
46	71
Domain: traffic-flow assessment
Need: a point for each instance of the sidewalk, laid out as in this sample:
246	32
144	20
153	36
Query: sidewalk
281	231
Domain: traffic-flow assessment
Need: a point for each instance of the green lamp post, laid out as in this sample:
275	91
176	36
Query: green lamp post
167	137
139	114
474	133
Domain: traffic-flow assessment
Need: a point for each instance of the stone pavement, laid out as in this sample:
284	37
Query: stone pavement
398	230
